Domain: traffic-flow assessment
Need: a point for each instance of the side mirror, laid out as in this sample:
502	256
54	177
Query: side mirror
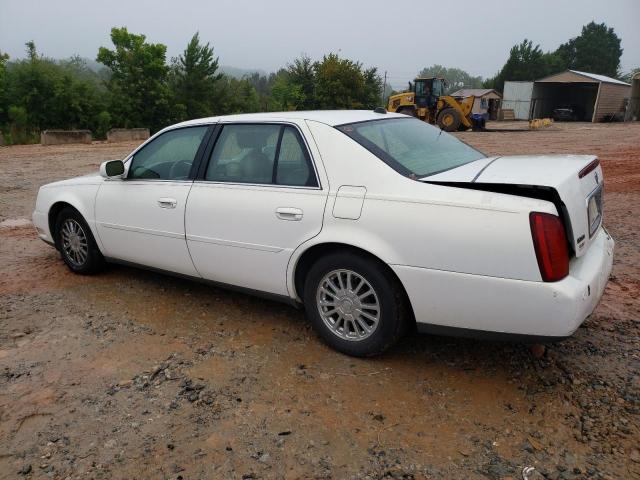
112	169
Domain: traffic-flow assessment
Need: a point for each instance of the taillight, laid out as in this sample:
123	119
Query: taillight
589	168
550	243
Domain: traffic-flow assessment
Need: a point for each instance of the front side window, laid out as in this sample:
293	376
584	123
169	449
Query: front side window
169	156
267	154
410	146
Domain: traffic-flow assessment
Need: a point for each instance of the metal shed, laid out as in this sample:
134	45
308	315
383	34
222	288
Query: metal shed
633	111
487	100
601	98
517	97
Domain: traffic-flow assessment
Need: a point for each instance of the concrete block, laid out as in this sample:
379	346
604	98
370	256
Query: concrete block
127	134
62	137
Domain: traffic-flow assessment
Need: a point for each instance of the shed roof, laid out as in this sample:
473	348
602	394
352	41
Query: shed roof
476	92
569	76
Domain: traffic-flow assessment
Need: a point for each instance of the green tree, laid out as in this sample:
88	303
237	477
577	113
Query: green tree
77	67
372	88
32	53
263	84
596	50
285	95
341	83
4	58
32	87
628	77
195	79
138	87
19	125
41	93
102	124
526	62
566	54
238	96
456	78
302	74
76	102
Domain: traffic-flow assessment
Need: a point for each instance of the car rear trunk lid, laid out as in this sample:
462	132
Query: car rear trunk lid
573	182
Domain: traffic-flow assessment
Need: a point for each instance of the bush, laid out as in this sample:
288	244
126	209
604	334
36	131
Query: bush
102	125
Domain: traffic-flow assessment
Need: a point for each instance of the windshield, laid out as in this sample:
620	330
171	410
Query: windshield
421	88
438	87
410	146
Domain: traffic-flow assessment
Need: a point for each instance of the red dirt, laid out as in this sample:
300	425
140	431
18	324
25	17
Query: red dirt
131	374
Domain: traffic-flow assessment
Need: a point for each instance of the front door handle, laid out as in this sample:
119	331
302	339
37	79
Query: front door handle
289	213
166	202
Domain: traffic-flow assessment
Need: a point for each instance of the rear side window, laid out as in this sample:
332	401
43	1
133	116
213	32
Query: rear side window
168	156
294	166
410	146
267	154
244	154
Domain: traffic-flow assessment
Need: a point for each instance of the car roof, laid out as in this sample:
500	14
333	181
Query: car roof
330	117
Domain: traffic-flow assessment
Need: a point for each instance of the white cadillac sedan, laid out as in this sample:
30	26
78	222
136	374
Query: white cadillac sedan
372	221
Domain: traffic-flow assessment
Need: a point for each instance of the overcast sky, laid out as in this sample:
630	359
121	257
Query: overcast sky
394	36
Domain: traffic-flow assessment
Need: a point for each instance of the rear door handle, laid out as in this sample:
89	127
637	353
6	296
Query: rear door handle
289	213
166	202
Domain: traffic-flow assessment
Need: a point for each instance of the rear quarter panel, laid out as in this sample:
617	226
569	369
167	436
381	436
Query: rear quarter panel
407	222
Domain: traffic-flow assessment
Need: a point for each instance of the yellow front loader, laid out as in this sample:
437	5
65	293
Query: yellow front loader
426	100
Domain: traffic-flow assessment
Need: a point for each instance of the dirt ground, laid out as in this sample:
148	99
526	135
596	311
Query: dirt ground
131	374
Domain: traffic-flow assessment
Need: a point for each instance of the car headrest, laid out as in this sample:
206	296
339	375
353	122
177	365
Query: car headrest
252	137
256	167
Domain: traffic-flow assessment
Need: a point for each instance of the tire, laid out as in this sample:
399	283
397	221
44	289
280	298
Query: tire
347	334
76	244
449	119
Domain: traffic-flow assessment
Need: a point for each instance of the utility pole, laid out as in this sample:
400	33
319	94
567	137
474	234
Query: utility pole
384	89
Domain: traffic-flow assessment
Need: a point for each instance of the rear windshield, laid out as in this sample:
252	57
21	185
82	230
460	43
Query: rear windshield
410	146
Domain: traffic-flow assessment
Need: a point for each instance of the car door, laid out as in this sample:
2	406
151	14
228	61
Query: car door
258	199
140	219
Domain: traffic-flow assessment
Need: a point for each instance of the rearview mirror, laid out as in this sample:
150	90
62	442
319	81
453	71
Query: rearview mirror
112	169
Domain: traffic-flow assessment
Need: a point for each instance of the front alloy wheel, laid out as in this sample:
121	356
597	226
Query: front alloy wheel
76	243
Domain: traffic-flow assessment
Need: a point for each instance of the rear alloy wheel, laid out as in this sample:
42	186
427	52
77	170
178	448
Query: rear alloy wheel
348	305
449	119
354	304
76	243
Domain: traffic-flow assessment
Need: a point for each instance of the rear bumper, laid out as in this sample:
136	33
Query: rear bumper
458	303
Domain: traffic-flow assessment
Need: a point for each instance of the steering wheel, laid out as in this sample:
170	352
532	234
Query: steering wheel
174	169
142	172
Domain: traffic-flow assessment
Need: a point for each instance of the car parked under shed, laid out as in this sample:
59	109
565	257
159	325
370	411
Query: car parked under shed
601	98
